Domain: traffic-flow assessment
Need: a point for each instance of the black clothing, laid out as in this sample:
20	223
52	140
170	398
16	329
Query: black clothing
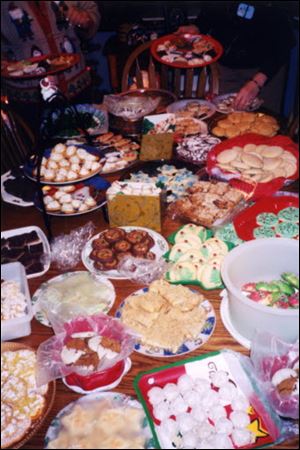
263	41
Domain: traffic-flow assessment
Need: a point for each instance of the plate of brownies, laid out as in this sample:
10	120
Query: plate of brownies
29	246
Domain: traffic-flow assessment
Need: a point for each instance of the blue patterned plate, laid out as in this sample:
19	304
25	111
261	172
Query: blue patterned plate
187	346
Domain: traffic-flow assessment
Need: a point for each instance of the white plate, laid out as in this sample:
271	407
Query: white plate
226	319
40	316
55	425
41	235
181	104
160	248
28	169
220	98
10	198
187	346
81	391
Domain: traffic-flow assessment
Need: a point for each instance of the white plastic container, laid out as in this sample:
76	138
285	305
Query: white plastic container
21	326
261	260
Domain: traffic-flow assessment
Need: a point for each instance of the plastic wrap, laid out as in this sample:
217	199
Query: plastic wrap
142	271
66	248
130	107
108	420
276	365
49	360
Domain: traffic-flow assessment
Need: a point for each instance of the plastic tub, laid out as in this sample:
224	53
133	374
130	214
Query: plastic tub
21	326
261	260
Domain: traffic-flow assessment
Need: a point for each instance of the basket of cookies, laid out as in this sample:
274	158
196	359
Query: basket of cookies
24	403
257	164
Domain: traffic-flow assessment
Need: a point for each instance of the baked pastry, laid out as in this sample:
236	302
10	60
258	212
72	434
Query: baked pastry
238	123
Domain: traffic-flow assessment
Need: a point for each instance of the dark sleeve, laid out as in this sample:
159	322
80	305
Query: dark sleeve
281	41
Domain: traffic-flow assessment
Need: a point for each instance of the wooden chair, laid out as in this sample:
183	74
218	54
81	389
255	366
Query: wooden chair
184	83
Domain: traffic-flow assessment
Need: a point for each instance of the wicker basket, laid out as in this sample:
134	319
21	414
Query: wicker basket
49	397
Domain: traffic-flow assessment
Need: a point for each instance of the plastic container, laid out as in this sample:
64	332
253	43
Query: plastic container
260	260
21	326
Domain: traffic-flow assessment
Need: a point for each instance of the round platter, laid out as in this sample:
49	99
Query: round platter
40	315
55	425
29	166
182	51
224	103
97	188
187	346
68	60
246	222
93	117
160	247
181	105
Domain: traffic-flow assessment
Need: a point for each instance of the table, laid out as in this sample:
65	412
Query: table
15	217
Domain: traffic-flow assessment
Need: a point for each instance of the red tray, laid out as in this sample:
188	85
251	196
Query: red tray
74	59
183	65
245	222
202	366
260	189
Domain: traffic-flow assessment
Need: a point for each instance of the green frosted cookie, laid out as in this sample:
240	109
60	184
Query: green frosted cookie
290	214
287	229
228	234
267	219
263	232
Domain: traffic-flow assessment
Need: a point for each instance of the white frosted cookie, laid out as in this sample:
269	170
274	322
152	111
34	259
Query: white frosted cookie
227	156
272	151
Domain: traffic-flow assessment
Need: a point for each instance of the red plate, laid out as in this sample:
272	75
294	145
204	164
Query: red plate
181	64
73	59
245	222
260	189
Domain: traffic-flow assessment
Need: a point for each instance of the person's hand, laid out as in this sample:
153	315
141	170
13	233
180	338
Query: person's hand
78	17
246	95
188	29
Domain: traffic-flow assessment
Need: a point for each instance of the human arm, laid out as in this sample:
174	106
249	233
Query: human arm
84	15
250	90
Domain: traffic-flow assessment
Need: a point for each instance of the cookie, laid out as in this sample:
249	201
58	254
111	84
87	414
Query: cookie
227	156
252	160
263	232
287	229
271	163
177	251
290	214
267	219
272	151
210	277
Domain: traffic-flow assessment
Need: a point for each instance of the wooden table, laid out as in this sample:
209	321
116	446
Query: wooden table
15	217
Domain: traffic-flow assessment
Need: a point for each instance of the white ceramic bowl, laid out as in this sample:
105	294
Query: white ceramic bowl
261	260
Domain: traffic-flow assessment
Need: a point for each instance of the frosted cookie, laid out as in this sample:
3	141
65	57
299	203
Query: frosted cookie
263	232
194	256
287	229
228	234
290	214
199	231
210	277
186	270
177	251
192	239
267	219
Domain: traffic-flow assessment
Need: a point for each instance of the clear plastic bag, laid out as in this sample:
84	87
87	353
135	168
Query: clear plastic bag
276	365
66	248
143	271
50	365
130	107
